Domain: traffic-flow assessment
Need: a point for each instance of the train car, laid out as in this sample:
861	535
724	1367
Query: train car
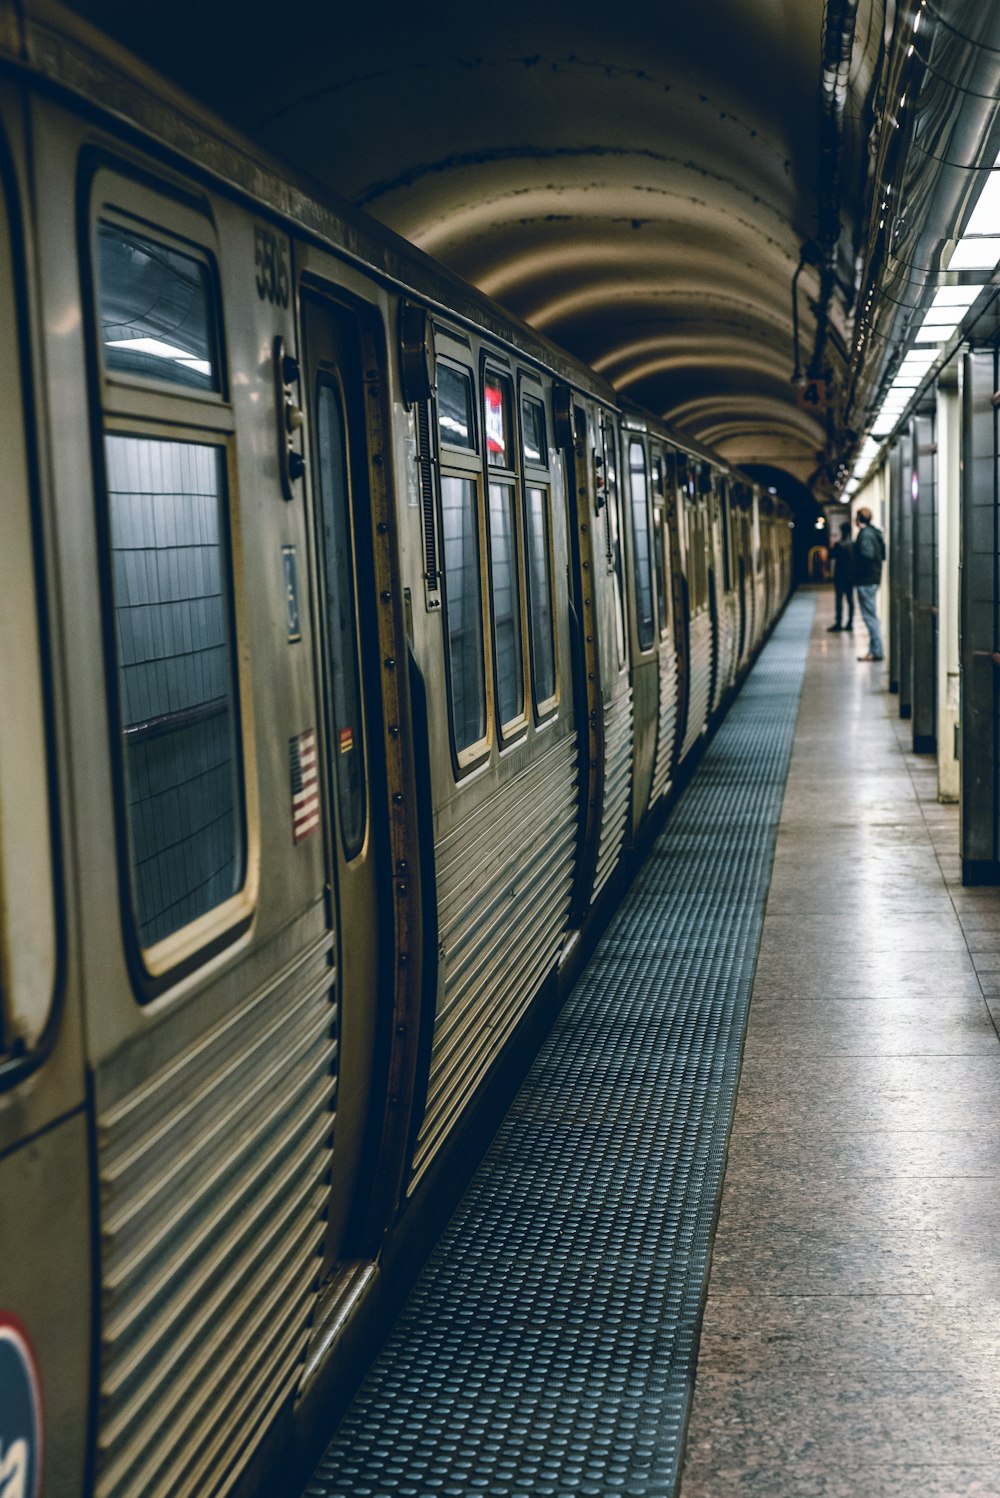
353	637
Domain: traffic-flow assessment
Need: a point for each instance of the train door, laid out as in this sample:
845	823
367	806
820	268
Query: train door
351	731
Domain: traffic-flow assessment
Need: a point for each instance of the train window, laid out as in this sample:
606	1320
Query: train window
644	622
506	589
456	423
538	547
464	609
335	504
660	540
533	431
155	311
497	405
612	512
176	672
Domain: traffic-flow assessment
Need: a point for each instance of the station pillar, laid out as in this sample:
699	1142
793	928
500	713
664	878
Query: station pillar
979	646
924	622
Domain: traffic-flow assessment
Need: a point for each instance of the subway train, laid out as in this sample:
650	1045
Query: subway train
354	640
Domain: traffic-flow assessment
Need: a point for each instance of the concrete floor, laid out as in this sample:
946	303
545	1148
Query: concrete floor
851	1343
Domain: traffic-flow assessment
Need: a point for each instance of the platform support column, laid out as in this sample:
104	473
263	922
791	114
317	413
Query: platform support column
979	598
949	452
893	533
904	557
924	624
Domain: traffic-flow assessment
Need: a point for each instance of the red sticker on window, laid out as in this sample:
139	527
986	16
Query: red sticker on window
346	740
494	420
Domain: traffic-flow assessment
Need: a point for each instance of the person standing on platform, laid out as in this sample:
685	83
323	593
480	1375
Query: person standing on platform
842	556
869	554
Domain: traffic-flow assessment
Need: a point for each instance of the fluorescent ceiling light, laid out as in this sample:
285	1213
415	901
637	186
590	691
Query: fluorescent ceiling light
946	316
986	214
955	296
975	254
935	333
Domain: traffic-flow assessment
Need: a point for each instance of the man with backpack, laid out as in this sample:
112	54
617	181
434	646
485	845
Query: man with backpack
842	556
869	554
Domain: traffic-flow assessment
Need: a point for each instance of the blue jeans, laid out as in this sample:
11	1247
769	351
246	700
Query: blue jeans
867	594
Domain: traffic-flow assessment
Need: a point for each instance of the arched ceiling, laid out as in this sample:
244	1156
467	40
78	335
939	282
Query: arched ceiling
635	180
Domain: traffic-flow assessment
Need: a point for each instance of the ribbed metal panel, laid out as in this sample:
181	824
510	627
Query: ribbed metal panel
724	673
667	725
504	882
617	787
211	1177
700	647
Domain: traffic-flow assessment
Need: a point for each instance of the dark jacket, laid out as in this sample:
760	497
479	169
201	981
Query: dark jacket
843	566
869	554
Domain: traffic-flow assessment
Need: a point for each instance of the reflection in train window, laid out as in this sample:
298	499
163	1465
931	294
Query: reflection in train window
464	607
454	406
640	537
497	414
176	678
533	431
543	656
505	581
346	740
155	311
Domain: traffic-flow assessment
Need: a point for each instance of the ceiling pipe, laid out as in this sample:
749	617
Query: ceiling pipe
938	135
838	46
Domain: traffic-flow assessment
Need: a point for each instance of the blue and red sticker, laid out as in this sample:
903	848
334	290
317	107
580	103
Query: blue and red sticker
20	1414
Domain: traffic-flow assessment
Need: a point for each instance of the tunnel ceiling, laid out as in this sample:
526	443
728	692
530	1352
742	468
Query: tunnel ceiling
634	180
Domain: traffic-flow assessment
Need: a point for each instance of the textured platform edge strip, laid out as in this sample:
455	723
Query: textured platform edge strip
549	1345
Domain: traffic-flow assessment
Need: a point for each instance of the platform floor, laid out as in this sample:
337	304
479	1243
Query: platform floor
851	1335
851	1340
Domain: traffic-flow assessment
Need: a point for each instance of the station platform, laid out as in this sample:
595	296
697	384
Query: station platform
593	1321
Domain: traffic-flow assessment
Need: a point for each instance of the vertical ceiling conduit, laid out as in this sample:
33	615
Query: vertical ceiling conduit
838	46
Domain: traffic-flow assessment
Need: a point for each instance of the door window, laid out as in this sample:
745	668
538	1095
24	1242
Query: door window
538	544
644	621
347	742
505	583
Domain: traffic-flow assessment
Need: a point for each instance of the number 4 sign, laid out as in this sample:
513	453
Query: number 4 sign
812	395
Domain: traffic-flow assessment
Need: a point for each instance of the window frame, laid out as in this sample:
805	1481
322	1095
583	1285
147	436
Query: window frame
140	406
469	451
661	539
614	539
636	440
464	463
538	475
509	476
331	379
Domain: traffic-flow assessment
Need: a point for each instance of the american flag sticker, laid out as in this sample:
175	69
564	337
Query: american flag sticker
305	784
